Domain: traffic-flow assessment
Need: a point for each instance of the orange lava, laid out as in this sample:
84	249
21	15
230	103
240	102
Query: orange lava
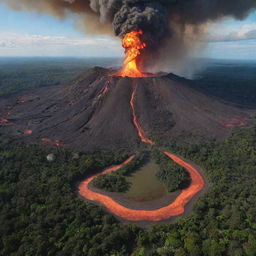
103	91
28	131
7	112
235	122
133	46
47	140
21	101
59	143
4	121
174	209
140	131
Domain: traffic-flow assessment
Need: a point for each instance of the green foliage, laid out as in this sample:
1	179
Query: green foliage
172	175
40	212
116	181
223	221
232	81
112	183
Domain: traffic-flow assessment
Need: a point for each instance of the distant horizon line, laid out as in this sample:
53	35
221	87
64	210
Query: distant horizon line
114	57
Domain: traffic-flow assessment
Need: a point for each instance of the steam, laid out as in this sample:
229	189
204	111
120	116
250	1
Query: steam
170	26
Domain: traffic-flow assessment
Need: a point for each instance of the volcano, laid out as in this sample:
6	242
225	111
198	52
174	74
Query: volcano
100	112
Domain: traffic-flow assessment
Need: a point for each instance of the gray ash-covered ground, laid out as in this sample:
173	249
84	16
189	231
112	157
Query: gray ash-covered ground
93	112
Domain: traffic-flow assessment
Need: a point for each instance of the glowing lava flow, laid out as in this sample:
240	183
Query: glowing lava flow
235	122
21	101
174	209
28	131
133	46
140	131
4	121
103	91
57	143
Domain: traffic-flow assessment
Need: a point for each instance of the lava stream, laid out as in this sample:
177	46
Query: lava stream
57	143
103	91
235	122
5	121
140	131
28	131
174	209
21	101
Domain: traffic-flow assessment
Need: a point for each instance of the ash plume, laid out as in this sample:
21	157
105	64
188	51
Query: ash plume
169	26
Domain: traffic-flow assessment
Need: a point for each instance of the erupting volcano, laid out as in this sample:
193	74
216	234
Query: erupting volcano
133	46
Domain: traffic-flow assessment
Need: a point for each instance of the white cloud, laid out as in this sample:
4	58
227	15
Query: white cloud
229	34
14	44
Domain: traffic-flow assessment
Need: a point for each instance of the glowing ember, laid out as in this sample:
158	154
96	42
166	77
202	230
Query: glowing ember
28	131
59	143
21	101
174	209
235	122
47	140
4	121
7	112
133	46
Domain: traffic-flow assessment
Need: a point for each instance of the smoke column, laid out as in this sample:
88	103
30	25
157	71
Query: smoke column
169	26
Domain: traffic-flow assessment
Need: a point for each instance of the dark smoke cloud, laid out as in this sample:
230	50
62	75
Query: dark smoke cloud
170	25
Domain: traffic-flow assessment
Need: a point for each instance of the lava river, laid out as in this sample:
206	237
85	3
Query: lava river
177	207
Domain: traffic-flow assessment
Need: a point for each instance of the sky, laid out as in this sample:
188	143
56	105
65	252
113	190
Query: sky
32	34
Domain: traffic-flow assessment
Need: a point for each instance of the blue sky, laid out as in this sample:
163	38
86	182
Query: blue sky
32	34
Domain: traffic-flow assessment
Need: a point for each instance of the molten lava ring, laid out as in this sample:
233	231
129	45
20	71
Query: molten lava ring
177	207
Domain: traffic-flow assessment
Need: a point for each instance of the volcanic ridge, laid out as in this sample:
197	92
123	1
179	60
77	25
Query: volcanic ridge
101	112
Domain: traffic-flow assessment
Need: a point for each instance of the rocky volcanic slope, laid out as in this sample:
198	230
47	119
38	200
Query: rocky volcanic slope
93	112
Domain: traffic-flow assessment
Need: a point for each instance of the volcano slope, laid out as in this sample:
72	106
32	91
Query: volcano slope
96	111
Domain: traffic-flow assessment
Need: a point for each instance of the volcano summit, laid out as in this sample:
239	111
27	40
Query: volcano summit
98	111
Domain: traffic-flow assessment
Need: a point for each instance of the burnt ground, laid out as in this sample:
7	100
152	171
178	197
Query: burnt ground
93	112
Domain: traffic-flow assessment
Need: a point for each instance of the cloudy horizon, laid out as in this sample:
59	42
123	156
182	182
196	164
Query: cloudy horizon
29	34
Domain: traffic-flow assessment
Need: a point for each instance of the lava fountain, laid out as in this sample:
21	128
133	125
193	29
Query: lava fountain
133	45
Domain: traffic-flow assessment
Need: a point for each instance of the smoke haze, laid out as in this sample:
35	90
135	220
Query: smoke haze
171	27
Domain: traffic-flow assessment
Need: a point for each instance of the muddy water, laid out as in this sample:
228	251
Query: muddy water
145	186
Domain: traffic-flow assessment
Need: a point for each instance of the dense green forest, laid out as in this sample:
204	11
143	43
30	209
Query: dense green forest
41	214
229	80
116	181
172	175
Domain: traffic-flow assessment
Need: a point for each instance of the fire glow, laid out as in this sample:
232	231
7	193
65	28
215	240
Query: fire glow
57	143
235	122
21	101
4	121
133	46
28	131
